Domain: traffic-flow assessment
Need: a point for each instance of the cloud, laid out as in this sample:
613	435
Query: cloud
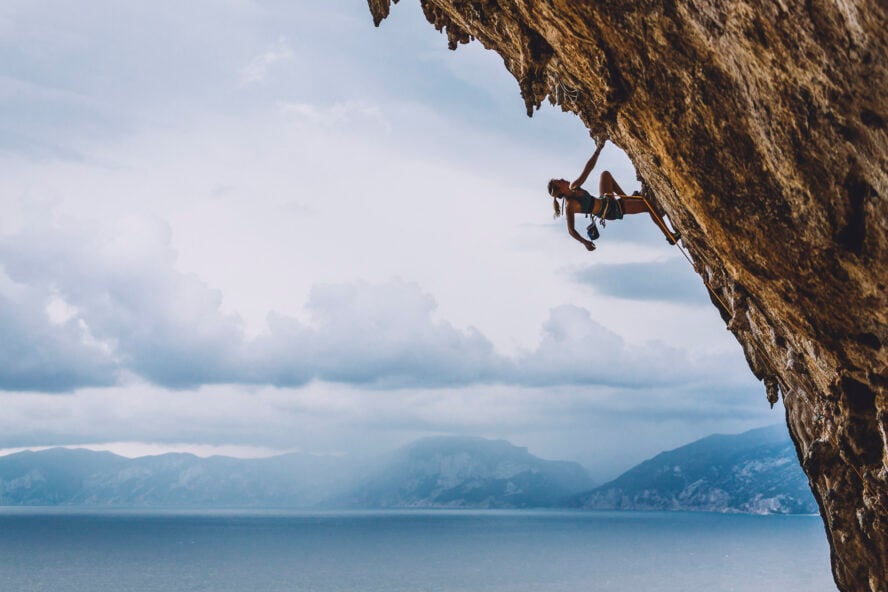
338	115
577	350
399	205
168	326
257	70
382	336
100	301
159	323
33	116
40	351
670	281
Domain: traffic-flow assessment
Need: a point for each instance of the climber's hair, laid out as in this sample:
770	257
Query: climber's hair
553	191
553	188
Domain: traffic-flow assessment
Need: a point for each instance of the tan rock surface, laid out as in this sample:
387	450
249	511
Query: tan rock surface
762	127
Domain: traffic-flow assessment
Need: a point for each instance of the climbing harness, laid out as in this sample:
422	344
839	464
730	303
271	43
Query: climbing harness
611	209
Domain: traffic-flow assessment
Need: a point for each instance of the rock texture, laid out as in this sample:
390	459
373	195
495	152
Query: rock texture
761	128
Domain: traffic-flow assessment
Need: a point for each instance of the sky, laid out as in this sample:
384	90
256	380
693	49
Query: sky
248	226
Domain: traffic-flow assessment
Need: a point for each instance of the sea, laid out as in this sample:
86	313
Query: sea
76	550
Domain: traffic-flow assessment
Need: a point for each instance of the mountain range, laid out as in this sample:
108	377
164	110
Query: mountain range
62	476
434	472
466	473
753	472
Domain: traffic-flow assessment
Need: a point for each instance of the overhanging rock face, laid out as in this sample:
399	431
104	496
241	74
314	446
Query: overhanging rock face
762	128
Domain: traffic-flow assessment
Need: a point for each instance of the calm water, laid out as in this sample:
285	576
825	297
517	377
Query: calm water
81	551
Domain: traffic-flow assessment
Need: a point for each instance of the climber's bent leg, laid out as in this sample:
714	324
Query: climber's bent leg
607	184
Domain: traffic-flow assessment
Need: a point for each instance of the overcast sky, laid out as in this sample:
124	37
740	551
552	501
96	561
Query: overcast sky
247	226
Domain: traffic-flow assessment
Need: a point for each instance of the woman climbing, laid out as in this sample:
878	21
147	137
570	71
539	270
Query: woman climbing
612	205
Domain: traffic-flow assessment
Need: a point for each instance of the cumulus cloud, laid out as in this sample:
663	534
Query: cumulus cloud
40	351
158	322
379	335
576	350
96	302
168	326
670	281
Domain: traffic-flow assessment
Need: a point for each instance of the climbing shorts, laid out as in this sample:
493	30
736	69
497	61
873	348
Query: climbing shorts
612	208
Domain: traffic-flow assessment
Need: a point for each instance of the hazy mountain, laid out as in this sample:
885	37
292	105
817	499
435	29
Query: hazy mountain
756	472
83	477
466	473
50	477
752	472
436	472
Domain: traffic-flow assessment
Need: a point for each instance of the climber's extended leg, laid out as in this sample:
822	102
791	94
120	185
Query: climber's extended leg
637	205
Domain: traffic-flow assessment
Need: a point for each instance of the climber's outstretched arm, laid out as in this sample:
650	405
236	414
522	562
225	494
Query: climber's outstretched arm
590	246
588	169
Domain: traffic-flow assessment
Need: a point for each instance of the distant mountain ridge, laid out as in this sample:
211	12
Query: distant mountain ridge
754	472
467	473
434	472
61	476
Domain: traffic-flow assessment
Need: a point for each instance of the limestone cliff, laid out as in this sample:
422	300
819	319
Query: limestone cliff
760	125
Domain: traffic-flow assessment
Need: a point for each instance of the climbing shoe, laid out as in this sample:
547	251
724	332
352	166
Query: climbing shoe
675	238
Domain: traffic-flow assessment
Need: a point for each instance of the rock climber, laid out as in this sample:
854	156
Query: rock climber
612	205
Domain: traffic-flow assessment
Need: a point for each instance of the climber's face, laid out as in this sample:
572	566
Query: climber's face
558	187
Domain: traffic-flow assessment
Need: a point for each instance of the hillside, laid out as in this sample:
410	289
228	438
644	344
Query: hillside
435	472
467	473
63	476
755	472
